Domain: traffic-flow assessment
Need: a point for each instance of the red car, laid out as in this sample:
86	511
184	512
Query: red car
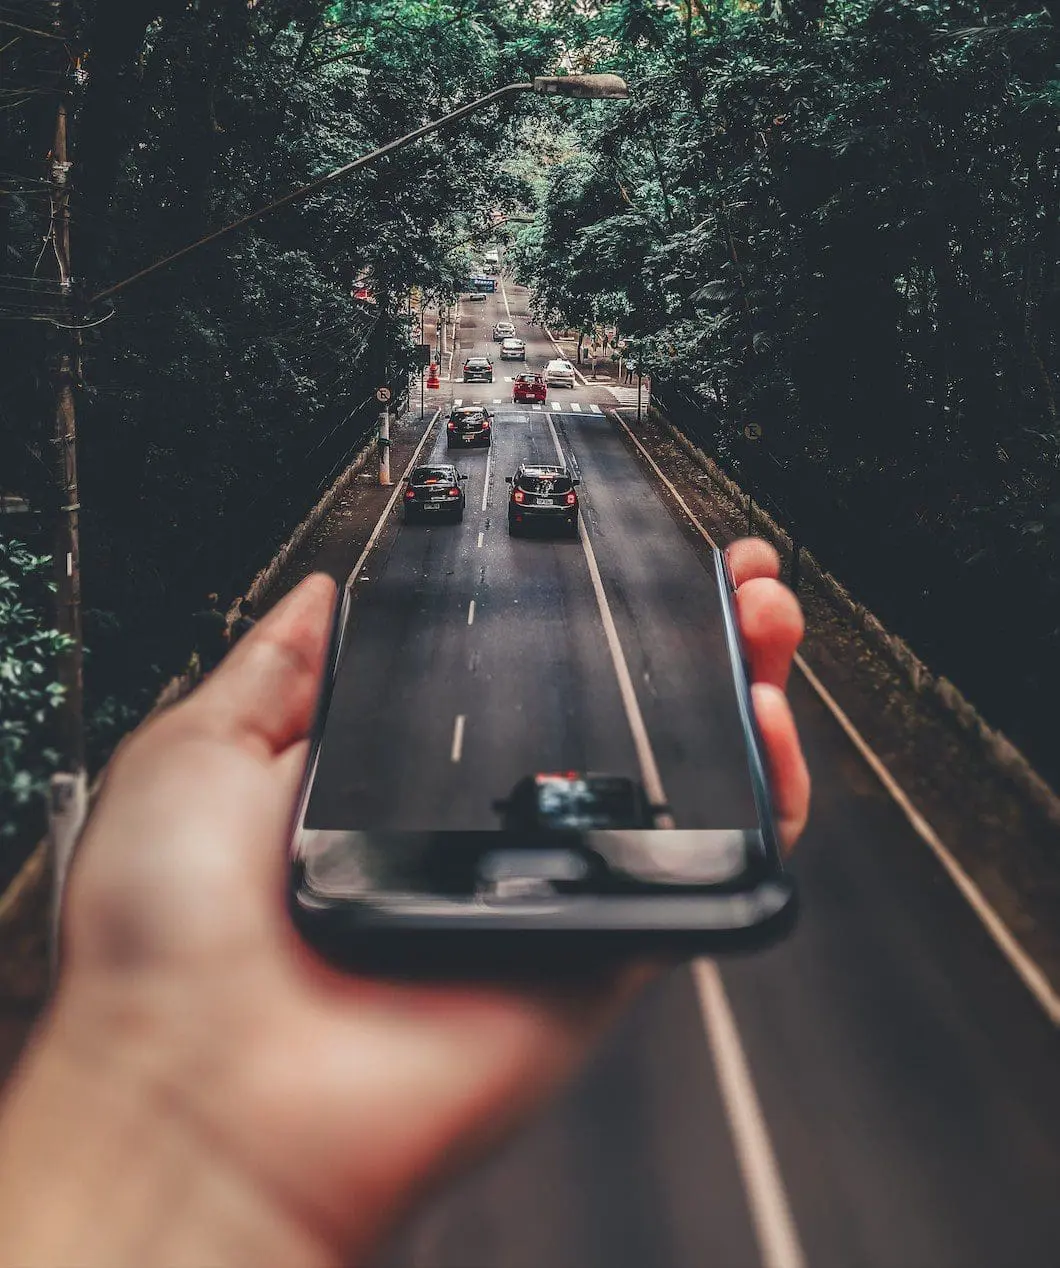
529	387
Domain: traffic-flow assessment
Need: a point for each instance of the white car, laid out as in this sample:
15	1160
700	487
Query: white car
513	350
559	373
503	330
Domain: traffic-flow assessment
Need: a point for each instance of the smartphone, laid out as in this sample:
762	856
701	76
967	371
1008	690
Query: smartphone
399	867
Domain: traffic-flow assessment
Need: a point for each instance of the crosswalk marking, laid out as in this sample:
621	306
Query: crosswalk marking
535	407
496	400
596	409
556	406
576	407
457	404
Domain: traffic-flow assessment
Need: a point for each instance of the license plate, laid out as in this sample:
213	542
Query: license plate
543	502
432	506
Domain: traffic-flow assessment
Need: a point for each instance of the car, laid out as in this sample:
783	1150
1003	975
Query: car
513	350
503	330
492	256
529	387
542	496
469	425
478	370
477	297
434	491
576	801
559	373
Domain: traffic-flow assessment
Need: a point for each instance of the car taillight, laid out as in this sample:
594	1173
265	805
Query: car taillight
572	498
452	426
519	496
454	493
410	493
485	424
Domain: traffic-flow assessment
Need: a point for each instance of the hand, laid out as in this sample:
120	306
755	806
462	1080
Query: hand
306	1107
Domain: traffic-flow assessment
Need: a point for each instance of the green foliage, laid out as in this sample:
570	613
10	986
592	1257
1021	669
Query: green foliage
29	692
843	223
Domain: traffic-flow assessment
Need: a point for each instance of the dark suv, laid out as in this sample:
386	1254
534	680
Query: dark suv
575	801
434	492
542	496
469	425
478	370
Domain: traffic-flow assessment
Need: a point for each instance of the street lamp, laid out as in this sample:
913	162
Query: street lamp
606	87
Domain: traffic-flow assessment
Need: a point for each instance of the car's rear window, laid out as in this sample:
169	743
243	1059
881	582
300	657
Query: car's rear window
431	475
545	484
477	363
583	804
533	379
468	412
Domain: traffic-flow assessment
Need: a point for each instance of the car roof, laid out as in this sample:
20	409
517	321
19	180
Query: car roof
560	361
432	466
513	340
473	360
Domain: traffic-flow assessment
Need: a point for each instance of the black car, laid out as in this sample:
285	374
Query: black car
542	496
434	492
574	801
478	370
469	425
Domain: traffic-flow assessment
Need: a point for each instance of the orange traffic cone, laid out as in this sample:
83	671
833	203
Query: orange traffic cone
432	376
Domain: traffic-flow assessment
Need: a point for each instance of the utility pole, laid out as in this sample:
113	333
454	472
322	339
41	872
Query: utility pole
68	791
384	446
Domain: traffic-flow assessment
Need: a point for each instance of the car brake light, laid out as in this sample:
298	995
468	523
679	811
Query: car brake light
572	498
485	424
410	493
454	493
519	496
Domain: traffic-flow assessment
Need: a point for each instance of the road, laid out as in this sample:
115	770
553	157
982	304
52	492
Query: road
881	1090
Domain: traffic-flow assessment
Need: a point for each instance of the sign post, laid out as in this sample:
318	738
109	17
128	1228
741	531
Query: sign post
382	395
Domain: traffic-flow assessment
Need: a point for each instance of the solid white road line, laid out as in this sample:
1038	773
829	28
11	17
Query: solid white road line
778	1239
1029	973
480	537
471	612
391	500
458	739
642	744
487	474
504	296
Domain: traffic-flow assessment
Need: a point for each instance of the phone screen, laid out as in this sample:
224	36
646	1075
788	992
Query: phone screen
462	768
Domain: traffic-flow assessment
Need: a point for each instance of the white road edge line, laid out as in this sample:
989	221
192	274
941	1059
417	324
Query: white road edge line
504	296
391	500
480	537
471	612
778	1239
1029	973
645	756
486	480
458	738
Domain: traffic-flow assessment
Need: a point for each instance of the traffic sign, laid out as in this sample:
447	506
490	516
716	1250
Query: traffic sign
382	394
753	431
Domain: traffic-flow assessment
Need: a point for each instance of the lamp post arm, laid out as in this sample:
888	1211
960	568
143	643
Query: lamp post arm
305	190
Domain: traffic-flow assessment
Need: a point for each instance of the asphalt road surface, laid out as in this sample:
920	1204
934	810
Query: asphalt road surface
881	1090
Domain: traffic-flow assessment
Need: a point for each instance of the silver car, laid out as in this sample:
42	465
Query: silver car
513	350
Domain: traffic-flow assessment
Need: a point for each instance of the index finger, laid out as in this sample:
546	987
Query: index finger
264	692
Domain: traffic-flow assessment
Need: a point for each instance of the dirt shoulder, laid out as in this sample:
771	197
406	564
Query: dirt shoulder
1004	841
